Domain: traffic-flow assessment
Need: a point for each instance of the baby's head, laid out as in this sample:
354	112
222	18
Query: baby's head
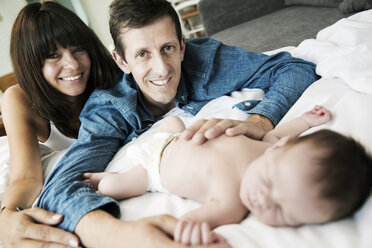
312	179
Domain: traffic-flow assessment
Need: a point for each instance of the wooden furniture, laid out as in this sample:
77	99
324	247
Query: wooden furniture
188	12
2	129
6	81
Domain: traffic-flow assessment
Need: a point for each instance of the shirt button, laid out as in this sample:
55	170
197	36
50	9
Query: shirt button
189	107
134	138
149	125
247	104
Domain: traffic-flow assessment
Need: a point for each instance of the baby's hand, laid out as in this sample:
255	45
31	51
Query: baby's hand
317	116
195	233
94	178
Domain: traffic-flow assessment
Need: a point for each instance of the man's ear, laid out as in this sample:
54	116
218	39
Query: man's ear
280	143
120	62
183	47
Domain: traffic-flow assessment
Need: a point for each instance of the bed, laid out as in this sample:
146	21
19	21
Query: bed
343	55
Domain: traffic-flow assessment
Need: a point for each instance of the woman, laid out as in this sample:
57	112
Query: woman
58	61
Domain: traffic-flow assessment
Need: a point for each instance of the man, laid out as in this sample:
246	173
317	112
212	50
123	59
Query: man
161	71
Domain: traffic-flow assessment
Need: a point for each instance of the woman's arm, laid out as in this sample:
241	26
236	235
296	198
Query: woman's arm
24	128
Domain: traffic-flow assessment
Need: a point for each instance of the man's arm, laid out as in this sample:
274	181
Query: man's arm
99	139
100	229
282	77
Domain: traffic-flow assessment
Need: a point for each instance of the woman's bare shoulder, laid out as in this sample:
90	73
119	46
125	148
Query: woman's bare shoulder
15	94
16	108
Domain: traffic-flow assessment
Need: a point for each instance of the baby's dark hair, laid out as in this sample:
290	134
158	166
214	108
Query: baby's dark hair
344	171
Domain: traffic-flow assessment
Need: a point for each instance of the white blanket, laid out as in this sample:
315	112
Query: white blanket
343	54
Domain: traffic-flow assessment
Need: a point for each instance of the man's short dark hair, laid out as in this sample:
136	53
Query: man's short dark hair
137	14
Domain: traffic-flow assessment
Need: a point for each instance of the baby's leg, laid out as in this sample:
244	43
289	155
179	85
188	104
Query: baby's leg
172	124
124	185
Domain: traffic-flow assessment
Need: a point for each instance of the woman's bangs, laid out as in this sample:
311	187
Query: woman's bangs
60	32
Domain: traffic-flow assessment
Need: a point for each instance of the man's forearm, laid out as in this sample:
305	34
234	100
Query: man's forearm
100	229
260	125
64	191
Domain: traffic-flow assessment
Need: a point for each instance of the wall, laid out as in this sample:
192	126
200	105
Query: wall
96	10
8	12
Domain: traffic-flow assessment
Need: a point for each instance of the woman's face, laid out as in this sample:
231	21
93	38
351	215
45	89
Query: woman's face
67	70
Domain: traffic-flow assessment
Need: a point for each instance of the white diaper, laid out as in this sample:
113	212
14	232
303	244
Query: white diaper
148	153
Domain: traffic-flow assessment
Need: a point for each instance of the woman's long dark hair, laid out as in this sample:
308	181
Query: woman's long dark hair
37	30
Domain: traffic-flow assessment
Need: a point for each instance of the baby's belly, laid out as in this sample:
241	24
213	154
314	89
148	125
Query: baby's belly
191	170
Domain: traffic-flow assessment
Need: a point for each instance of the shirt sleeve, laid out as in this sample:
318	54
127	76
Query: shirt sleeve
214	69
282	77
283	83
99	139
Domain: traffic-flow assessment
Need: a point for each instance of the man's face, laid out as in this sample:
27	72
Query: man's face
279	189
153	55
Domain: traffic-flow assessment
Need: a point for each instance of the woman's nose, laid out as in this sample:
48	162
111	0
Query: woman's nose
69	61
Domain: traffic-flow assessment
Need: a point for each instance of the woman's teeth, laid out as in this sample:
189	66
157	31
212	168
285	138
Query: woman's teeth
72	78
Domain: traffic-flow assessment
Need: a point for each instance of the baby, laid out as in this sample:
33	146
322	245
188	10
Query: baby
283	180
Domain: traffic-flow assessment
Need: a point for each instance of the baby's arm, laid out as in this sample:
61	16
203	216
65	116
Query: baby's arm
195	226
119	185
172	124
315	117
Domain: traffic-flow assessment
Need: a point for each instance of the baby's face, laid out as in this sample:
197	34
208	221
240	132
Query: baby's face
278	188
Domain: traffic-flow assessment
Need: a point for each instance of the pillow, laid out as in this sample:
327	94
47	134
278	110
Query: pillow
348	6
324	3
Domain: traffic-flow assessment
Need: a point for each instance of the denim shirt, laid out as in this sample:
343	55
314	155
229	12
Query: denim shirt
113	117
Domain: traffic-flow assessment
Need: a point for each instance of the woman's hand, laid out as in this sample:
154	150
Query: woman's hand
33	228
256	126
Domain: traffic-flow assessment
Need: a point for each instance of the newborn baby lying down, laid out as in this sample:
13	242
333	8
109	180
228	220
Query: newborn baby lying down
283	180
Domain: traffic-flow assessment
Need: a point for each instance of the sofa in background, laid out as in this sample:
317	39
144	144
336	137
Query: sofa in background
264	25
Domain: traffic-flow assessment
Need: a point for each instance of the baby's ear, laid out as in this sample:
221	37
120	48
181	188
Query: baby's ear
280	143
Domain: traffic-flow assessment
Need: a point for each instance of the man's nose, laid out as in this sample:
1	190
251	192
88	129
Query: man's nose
160	65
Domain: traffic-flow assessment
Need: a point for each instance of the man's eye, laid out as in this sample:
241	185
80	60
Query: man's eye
141	54
168	48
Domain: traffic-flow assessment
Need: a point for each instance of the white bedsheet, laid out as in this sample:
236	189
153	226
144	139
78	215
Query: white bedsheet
343	54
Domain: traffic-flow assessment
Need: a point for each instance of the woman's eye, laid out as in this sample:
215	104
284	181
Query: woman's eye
80	49
52	56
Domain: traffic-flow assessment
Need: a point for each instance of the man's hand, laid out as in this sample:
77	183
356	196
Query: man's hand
99	229
33	228
195	233
254	127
